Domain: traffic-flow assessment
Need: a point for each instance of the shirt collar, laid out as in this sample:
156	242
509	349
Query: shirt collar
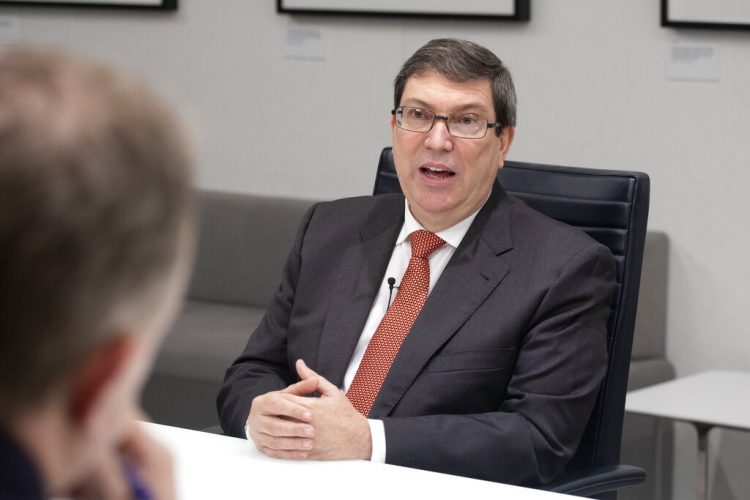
452	236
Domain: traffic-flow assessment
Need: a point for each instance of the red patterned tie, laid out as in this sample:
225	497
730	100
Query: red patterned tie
398	320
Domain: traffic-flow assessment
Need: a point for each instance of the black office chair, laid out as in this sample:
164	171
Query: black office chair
612	207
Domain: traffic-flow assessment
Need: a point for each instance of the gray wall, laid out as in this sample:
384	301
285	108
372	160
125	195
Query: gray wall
592	91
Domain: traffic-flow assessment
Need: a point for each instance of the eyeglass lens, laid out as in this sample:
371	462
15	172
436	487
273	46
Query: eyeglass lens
466	125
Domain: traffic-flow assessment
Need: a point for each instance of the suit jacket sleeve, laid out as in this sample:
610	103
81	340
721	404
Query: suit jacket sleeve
535	431
263	366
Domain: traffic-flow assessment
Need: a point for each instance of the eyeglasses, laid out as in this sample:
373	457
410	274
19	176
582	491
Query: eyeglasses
463	126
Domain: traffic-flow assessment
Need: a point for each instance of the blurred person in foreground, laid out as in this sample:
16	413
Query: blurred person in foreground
96	223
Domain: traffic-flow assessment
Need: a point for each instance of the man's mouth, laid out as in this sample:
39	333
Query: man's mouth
436	172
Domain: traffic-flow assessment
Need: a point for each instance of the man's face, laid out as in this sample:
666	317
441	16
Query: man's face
445	179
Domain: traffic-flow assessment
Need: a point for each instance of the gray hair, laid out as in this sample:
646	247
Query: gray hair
461	61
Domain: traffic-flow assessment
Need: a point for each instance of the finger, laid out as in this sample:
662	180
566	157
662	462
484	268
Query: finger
149	465
324	386
303	401
302	388
285	444
142	449
286	428
280	427
304	371
104	481
277	405
286	455
135	445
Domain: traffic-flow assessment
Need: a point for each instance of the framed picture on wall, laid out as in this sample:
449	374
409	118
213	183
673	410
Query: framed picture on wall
514	10
714	14
116	4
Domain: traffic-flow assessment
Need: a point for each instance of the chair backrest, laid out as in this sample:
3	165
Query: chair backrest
612	207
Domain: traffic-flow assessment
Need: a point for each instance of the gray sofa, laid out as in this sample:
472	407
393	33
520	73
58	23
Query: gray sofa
243	243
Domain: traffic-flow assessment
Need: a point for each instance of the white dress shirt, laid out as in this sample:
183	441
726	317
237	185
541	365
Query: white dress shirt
396	269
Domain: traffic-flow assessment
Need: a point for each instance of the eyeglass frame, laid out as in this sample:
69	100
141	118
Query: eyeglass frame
496	125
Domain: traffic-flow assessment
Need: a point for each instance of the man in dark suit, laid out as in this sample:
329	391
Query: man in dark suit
95	243
488	360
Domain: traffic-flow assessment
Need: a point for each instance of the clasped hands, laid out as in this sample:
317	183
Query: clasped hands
294	424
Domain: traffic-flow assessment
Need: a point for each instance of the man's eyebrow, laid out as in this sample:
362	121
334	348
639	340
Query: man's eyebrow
469	106
413	101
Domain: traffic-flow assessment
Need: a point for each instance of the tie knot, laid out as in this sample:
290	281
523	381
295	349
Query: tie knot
423	243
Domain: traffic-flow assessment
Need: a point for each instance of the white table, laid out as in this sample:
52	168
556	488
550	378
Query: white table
705	400
209	466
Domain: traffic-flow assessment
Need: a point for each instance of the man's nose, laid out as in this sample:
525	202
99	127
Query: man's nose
438	137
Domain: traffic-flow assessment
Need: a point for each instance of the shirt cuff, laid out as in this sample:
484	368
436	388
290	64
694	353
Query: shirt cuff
377	434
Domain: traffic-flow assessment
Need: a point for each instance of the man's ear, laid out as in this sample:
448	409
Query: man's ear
393	121
97	375
506	139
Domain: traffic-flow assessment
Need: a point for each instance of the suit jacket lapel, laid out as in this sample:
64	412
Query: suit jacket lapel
471	275
359	277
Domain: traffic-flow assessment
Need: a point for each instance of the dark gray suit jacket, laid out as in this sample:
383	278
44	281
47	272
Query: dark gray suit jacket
498	376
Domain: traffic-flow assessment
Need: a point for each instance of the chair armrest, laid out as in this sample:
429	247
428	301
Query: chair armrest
598	480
